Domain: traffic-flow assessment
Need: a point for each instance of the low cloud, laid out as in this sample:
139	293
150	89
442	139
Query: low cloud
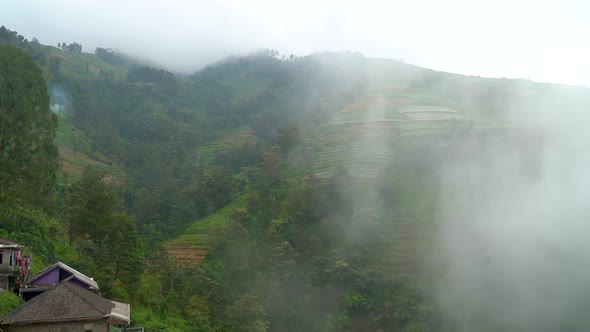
497	39
513	217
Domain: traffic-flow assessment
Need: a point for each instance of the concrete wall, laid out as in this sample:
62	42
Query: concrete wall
95	326
6	254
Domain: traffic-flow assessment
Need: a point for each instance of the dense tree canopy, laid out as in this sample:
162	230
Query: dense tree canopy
109	55
239	171
27	128
73	47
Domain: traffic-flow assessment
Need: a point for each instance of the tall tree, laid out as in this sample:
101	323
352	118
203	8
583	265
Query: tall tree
118	253
27	128
92	203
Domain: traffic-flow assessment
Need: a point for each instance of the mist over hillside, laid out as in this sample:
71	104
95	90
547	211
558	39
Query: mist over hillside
326	192
536	39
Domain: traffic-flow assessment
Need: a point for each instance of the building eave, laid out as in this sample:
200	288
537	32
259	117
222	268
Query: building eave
11	246
120	314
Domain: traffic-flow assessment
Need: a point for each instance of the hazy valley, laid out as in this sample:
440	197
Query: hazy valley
327	192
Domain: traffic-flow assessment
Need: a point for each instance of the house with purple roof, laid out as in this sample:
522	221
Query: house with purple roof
66	307
53	275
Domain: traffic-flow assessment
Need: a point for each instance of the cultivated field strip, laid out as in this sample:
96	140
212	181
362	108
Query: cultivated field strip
360	137
194	242
404	246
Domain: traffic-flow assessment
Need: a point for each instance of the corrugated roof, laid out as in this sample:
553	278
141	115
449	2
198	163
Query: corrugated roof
121	313
6	243
89	281
61	303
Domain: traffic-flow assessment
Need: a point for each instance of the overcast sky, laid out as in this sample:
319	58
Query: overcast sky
542	40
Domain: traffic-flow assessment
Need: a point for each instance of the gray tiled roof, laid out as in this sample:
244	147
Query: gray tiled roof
63	302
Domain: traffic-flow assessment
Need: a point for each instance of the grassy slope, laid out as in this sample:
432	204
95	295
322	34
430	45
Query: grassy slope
406	236
244	87
73	64
360	137
227	139
199	236
76	153
75	149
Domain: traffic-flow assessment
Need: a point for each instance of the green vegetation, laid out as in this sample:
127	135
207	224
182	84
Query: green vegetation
202	233
262	193
27	151
8	302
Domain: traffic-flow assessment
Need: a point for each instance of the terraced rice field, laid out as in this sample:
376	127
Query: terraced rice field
194	242
185	254
74	64
385	103
432	113
361	159
360	137
404	247
72	166
406	234
226	140
76	153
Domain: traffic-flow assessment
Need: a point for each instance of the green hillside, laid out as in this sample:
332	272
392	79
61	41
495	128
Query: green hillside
85	65
200	236
76	153
260	193
389	130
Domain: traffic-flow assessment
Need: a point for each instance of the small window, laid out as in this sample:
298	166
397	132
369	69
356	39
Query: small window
11	283
0	258
88	327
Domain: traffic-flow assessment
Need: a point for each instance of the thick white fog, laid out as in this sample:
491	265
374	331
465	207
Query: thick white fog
541	40
514	208
513	216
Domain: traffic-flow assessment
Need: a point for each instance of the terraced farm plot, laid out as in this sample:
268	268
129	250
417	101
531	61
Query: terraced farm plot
76	153
360	159
227	139
74	64
360	137
385	103
406	232
404	245
431	113
194	242
73	164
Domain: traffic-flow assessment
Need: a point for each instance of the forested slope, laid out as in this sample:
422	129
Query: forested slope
260	193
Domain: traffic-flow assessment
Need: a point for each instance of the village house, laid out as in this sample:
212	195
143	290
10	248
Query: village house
51	276
13	265
59	298
66	307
